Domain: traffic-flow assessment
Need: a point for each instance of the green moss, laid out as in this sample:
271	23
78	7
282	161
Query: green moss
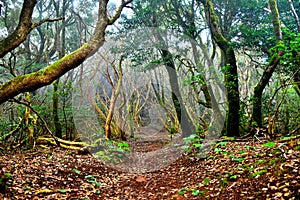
67	58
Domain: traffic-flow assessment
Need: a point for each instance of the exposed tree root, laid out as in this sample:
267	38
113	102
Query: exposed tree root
63	143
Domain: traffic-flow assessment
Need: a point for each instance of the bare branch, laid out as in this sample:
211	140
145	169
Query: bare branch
119	11
295	14
45	20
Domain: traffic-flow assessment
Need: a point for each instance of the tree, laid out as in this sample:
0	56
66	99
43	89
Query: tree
274	62
118	75
47	75
230	70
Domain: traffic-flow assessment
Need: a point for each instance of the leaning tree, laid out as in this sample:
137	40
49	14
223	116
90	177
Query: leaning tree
47	75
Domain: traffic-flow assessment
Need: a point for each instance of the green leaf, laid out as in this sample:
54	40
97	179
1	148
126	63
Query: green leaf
123	144
222	143
242	152
97	184
89	177
186	148
224	182
100	153
198	145
250	147
191	138
76	171
206	181
239	159
195	192
233	177
97	192
217	150
250	168
269	144
182	191
63	191
260	161
120	150
258	173
7	175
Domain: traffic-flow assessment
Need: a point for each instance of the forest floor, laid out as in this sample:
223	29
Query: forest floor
231	170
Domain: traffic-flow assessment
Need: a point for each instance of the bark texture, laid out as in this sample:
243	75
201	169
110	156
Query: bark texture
230	70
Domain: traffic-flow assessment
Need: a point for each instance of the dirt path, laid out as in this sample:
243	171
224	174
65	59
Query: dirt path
233	170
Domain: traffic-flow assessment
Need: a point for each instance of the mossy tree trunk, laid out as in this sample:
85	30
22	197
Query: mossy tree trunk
230	70
55	113
29	121
47	75
184	119
267	74
60	48
19	35
189	27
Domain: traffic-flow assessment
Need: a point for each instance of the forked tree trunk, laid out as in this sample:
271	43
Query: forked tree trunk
230	70
264	80
114	96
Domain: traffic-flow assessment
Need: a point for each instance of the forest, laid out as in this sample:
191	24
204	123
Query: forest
149	99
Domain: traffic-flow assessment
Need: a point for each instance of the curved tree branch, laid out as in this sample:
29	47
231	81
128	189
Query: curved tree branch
22	30
24	27
45	20
47	75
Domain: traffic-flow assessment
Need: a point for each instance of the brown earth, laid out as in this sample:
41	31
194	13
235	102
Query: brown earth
231	170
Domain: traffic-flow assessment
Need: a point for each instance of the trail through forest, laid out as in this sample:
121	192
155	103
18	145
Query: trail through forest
231	170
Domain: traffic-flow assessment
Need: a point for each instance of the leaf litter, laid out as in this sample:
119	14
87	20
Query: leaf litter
231	170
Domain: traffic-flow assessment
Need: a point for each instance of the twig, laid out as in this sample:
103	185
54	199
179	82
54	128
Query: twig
119	11
45	20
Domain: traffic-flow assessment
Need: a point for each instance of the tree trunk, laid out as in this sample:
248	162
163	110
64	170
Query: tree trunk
60	48
29	129
47	75
264	80
295	14
186	124
230	70
19	35
56	121
114	96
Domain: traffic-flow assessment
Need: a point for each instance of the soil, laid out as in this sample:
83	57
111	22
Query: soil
229	170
